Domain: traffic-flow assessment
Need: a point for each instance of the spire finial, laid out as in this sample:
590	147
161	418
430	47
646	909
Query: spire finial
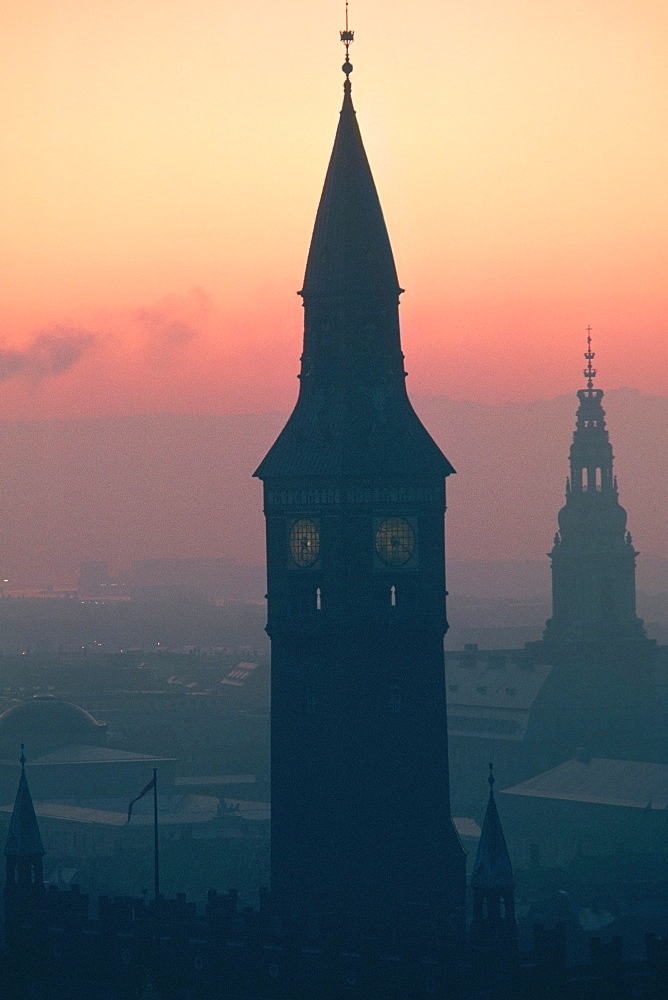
347	37
22	758
589	372
491	778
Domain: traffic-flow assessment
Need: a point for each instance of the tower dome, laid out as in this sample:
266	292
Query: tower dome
46	723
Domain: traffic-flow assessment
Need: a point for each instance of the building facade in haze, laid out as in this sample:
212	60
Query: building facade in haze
604	693
593	558
354	497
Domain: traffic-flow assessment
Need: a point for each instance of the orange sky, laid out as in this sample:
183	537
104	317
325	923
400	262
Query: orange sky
161	164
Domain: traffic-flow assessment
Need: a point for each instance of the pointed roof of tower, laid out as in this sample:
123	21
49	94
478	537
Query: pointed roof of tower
492	868
23	838
350	253
353	416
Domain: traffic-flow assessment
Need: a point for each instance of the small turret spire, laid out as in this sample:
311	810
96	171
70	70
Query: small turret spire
493	927
24	851
347	37
23	838
589	372
492	869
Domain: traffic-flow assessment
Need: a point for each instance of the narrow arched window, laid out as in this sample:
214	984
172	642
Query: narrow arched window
318	600
393	597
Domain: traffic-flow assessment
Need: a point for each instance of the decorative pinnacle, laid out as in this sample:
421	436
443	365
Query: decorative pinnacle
22	758
491	776
589	372
347	37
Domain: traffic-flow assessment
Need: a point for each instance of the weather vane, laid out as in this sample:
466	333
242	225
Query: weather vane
347	37
589	372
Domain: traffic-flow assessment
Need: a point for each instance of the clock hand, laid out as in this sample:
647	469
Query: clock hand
398	544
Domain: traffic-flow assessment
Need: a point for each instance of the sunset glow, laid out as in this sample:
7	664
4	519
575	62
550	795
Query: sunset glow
162	164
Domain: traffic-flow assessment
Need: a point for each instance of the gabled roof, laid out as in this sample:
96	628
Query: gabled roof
78	753
629	784
23	838
491	692
492	868
175	810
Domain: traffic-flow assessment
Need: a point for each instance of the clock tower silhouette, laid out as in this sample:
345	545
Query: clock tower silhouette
354	498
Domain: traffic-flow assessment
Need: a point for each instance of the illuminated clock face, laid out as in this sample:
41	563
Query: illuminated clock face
395	541
304	542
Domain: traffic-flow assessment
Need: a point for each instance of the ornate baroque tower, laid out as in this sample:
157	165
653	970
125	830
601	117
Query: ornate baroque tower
354	497
601	694
593	559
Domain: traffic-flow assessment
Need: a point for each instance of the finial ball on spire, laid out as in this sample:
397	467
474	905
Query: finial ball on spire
347	37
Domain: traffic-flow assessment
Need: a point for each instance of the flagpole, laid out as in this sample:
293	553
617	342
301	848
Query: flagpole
156	875
156	847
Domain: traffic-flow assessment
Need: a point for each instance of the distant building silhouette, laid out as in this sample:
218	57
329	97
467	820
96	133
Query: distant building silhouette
576	721
354	501
593	558
172	580
94	580
604	691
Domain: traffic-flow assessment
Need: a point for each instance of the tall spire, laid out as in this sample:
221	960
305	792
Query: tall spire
351	291
353	415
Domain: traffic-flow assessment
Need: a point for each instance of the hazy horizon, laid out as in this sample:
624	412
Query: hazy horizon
181	486
159	220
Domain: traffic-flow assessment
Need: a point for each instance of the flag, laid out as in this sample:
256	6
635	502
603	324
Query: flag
141	795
